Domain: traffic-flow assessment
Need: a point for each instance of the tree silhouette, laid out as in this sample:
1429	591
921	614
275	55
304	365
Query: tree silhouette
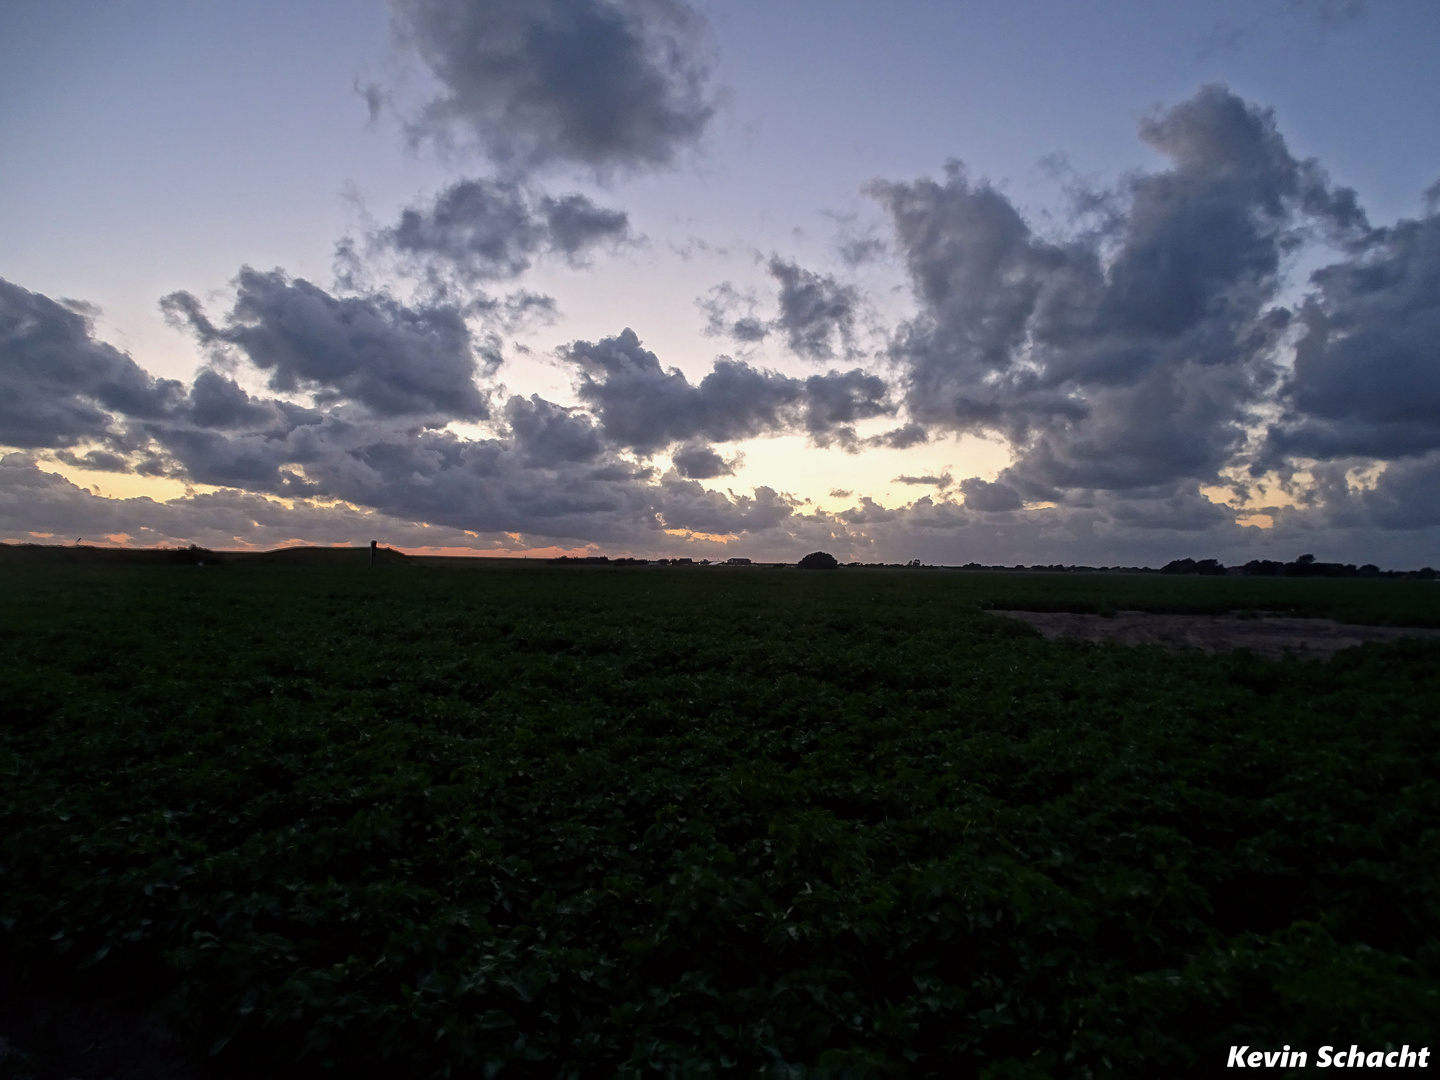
818	560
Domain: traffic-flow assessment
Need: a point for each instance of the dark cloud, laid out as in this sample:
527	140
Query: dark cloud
900	438
942	481
689	505
748	329
989	498
97	460
696	461
1127	358
549	434
485	230
645	407
371	350
1406	495
218	402
1366	380
817	313
816	317
835	401
58	385
1177	508
600	83
576	224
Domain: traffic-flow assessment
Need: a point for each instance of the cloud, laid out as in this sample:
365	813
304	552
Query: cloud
487	230
1406	494
34	501
58	385
900	438
989	498
817	313
371	350
374	96
696	461
577	224
645	407
1128	358
1366	379
1128	361
603	84
942	481
723	310
549	434
686	504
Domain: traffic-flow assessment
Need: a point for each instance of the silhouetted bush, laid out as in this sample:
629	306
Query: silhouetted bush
819	560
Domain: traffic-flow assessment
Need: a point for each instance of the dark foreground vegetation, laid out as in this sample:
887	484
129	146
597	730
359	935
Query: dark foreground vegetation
541	821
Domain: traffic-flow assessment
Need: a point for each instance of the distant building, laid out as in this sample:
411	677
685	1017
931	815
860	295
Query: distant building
737	562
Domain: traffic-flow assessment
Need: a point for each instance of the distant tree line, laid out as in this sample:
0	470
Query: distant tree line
1191	566
1306	566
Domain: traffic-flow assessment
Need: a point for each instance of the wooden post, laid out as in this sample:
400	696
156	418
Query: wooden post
372	551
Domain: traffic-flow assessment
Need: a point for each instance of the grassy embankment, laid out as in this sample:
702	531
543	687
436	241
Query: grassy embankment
580	820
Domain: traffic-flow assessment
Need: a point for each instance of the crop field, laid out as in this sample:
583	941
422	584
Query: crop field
526	820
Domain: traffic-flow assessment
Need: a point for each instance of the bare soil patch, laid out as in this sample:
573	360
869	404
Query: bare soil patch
1266	635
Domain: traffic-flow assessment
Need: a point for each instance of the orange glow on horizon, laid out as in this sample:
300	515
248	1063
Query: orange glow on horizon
714	538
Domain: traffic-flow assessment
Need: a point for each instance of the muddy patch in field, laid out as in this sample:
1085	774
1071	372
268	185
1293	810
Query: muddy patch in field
1267	635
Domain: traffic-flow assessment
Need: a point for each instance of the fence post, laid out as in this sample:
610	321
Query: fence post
372	551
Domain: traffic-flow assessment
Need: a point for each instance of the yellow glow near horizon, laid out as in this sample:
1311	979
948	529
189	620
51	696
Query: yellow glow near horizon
111	485
790	465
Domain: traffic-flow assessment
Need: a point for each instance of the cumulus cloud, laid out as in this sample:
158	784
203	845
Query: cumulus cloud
645	407
371	350
696	461
1129	359
486	229
817	313
550	472
549	434
816	318
1366	380
58	385
989	498
603	84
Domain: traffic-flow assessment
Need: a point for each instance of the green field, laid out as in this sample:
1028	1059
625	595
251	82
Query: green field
523	820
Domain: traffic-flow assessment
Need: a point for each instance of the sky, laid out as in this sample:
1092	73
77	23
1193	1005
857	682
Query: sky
1104	283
